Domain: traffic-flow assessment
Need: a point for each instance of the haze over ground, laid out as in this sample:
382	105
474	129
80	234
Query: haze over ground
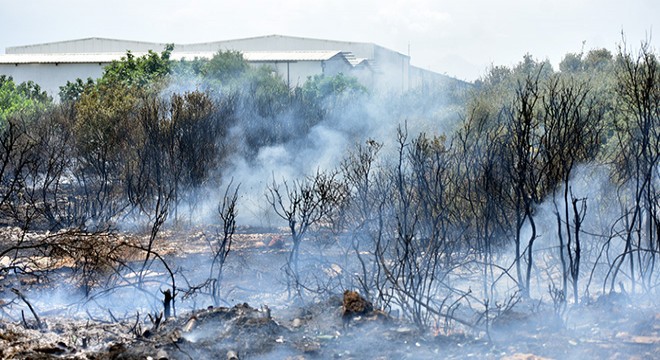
458	38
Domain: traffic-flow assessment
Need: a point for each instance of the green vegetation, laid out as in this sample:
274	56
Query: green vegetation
24	97
321	95
225	67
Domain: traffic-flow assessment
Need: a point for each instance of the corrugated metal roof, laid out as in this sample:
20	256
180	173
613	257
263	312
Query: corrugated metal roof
59	58
265	56
320	55
253	56
87	45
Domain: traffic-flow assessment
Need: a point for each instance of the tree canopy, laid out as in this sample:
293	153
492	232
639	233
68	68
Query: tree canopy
23	97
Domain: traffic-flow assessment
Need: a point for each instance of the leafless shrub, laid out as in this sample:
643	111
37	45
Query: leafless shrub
558	300
306	205
227	212
364	177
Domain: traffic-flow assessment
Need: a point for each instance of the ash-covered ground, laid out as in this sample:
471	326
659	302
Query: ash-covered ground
258	317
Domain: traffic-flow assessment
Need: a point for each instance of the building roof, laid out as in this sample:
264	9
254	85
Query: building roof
274	43
60	58
251	56
87	45
289	43
265	56
276	36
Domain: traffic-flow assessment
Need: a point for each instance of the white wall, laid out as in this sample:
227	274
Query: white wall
50	76
297	71
392	70
424	78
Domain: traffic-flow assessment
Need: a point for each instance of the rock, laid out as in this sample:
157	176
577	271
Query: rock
296	323
405	330
276	242
162	355
190	324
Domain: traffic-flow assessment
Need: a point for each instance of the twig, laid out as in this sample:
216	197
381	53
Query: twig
155	320
112	316
40	325
134	330
95	319
181	350
24	321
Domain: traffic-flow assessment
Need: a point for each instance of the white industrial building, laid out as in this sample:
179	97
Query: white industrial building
295	59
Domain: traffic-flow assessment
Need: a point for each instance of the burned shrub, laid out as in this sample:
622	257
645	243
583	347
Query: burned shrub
95	259
306	205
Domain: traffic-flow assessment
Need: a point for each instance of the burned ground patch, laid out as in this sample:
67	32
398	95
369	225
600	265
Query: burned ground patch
272	327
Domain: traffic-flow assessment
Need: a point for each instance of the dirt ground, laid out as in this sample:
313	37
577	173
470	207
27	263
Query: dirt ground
262	325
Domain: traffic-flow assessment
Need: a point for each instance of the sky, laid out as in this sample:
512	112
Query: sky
460	38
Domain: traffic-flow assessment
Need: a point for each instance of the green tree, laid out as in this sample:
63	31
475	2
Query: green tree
130	71
26	96
532	67
140	71
322	94
571	63
105	142
267	92
225	67
598	59
72	91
